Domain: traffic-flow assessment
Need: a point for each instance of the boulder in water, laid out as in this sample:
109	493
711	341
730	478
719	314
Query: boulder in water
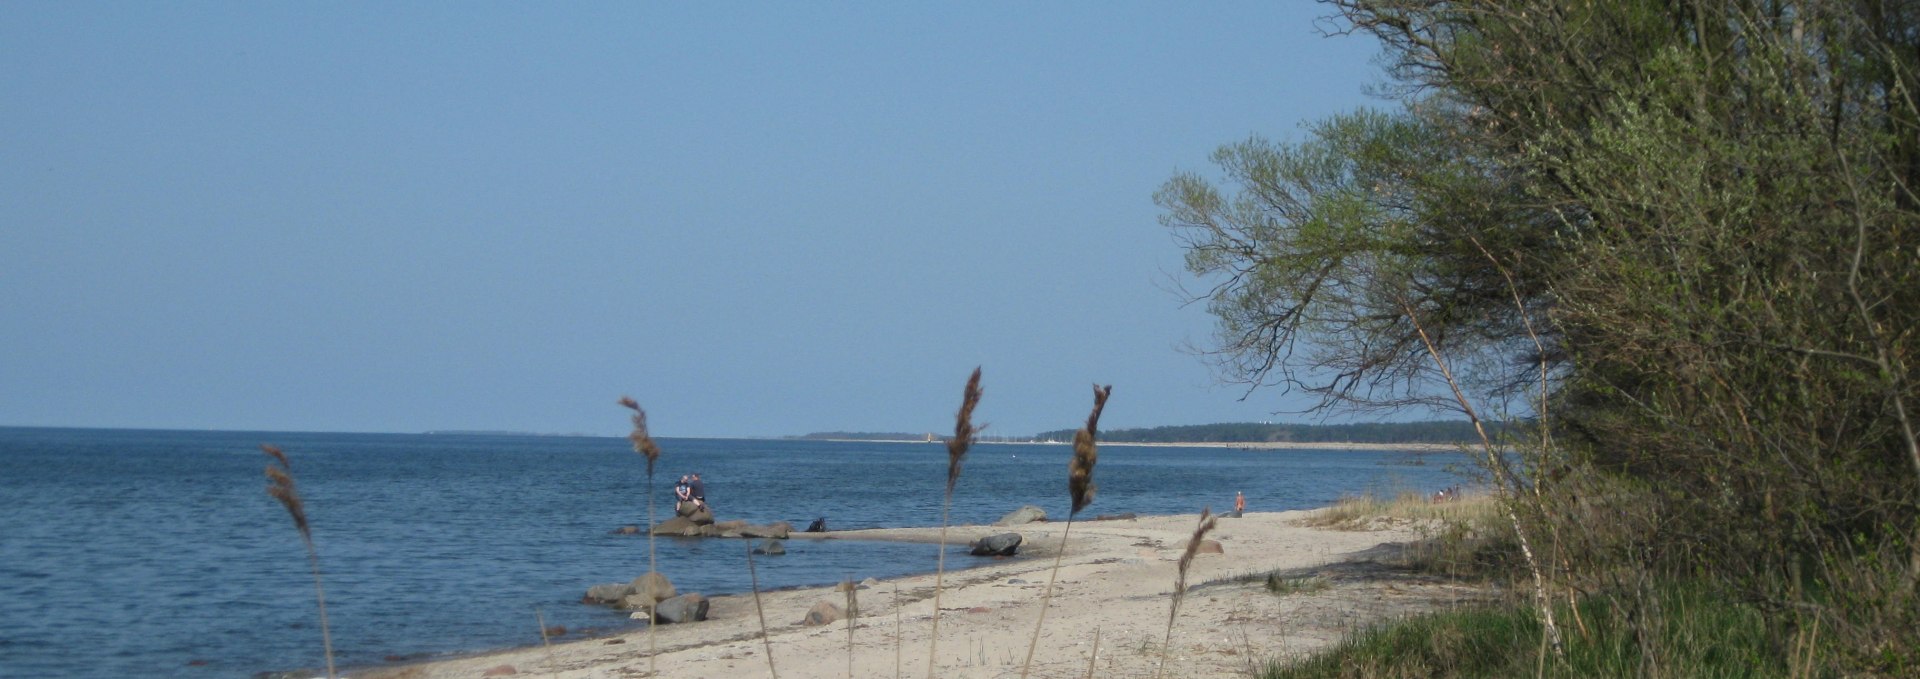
818	526
770	547
678	525
650	588
1027	514
608	594
1002	544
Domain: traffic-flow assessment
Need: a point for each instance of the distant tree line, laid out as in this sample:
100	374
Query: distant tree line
1438	431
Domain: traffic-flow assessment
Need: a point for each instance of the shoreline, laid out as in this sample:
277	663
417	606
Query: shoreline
1116	577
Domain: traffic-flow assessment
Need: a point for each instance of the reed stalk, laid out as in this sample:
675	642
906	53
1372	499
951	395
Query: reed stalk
644	445
1094	659
963	434
853	618
1080	490
754	579
1207	523
896	630
546	642
280	486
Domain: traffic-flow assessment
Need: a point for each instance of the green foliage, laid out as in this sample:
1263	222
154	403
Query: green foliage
1685	237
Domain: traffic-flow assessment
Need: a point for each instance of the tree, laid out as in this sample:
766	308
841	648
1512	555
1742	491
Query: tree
1705	213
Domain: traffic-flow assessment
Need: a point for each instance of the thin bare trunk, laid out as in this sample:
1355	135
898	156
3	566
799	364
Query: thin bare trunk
1508	482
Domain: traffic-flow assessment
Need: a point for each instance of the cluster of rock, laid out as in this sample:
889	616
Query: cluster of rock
690	521
650	597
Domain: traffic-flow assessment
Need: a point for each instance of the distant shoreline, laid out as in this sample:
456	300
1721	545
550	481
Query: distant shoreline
1241	445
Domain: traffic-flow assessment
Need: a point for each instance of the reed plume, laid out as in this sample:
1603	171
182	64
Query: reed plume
1080	491
280	486
644	445
1207	523
963	434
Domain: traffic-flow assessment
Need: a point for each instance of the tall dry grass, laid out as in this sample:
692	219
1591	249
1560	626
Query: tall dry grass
280	486
963	435
644	445
1207	523
1080	491
1362	512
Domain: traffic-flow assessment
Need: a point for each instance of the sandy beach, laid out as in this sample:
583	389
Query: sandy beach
1116	579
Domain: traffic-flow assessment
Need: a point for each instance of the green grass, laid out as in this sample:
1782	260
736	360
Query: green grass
1692	635
1306	584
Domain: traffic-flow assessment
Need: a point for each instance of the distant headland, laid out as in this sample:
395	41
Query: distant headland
1247	434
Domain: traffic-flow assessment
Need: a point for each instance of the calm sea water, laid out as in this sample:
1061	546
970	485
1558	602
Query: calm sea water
158	553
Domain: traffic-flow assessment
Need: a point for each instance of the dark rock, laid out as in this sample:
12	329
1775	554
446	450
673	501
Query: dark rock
770	547
556	631
818	526
823	613
1016	581
607	594
1002	544
1235	514
1027	514
681	609
611	642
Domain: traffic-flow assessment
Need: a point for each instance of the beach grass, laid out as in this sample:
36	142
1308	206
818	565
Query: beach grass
1366	510
1693	634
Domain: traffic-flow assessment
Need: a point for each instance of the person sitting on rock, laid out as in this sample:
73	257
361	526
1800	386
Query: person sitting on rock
697	489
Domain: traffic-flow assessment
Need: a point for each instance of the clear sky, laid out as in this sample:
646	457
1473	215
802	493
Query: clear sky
757	219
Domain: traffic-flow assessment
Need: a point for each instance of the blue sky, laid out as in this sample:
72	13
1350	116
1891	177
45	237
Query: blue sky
757	219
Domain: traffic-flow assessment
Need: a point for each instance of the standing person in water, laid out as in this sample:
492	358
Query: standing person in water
1239	502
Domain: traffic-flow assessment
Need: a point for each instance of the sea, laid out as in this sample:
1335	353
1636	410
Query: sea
160	554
